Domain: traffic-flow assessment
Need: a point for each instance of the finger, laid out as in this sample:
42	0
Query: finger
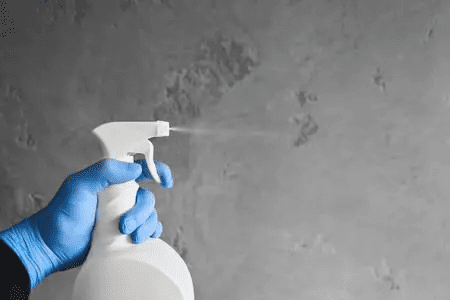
144	231
158	231
163	171
108	172
138	215
165	174
145	175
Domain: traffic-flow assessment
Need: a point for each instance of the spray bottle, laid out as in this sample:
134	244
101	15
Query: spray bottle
115	268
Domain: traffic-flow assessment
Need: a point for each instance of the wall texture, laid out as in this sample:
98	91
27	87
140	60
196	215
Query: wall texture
329	178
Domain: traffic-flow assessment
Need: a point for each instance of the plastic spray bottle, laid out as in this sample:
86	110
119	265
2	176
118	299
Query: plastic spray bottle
115	268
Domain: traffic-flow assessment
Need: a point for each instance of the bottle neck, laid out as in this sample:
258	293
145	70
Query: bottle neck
112	204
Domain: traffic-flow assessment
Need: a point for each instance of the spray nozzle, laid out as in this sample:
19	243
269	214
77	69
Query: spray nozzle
123	140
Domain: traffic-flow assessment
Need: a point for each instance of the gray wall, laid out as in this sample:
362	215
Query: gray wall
344	192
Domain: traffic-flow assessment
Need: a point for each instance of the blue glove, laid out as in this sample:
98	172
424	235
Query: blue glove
59	236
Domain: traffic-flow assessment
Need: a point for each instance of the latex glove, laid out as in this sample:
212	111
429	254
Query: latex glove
59	236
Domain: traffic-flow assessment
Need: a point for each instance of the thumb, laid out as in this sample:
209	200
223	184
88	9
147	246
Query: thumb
110	172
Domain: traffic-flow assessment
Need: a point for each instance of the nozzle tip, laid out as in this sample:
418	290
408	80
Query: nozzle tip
163	128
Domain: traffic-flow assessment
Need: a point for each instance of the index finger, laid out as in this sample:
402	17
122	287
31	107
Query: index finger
163	170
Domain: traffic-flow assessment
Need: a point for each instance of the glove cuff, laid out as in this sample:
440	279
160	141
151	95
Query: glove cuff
37	258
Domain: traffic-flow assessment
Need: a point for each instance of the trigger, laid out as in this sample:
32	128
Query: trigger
151	163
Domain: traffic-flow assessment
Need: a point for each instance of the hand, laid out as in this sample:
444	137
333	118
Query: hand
64	228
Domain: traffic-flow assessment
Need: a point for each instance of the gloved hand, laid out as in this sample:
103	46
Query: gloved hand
59	236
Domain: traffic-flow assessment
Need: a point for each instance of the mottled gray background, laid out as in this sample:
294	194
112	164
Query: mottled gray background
346	194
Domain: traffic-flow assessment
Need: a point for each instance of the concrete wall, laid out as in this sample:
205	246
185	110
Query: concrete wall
344	192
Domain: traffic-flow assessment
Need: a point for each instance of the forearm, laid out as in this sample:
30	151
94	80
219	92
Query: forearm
32	252
15	280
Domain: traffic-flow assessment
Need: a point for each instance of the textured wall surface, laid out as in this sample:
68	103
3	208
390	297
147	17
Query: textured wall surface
336	186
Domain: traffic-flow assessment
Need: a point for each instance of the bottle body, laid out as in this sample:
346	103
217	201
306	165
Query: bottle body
117	269
152	270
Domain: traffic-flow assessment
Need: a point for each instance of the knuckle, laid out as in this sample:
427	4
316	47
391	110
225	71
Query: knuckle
148	196
105	165
102	164
162	166
147	192
151	198
71	181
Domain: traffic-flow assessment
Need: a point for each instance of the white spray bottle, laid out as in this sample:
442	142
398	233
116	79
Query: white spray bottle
115	268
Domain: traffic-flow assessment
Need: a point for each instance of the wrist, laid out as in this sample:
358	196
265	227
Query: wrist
24	239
